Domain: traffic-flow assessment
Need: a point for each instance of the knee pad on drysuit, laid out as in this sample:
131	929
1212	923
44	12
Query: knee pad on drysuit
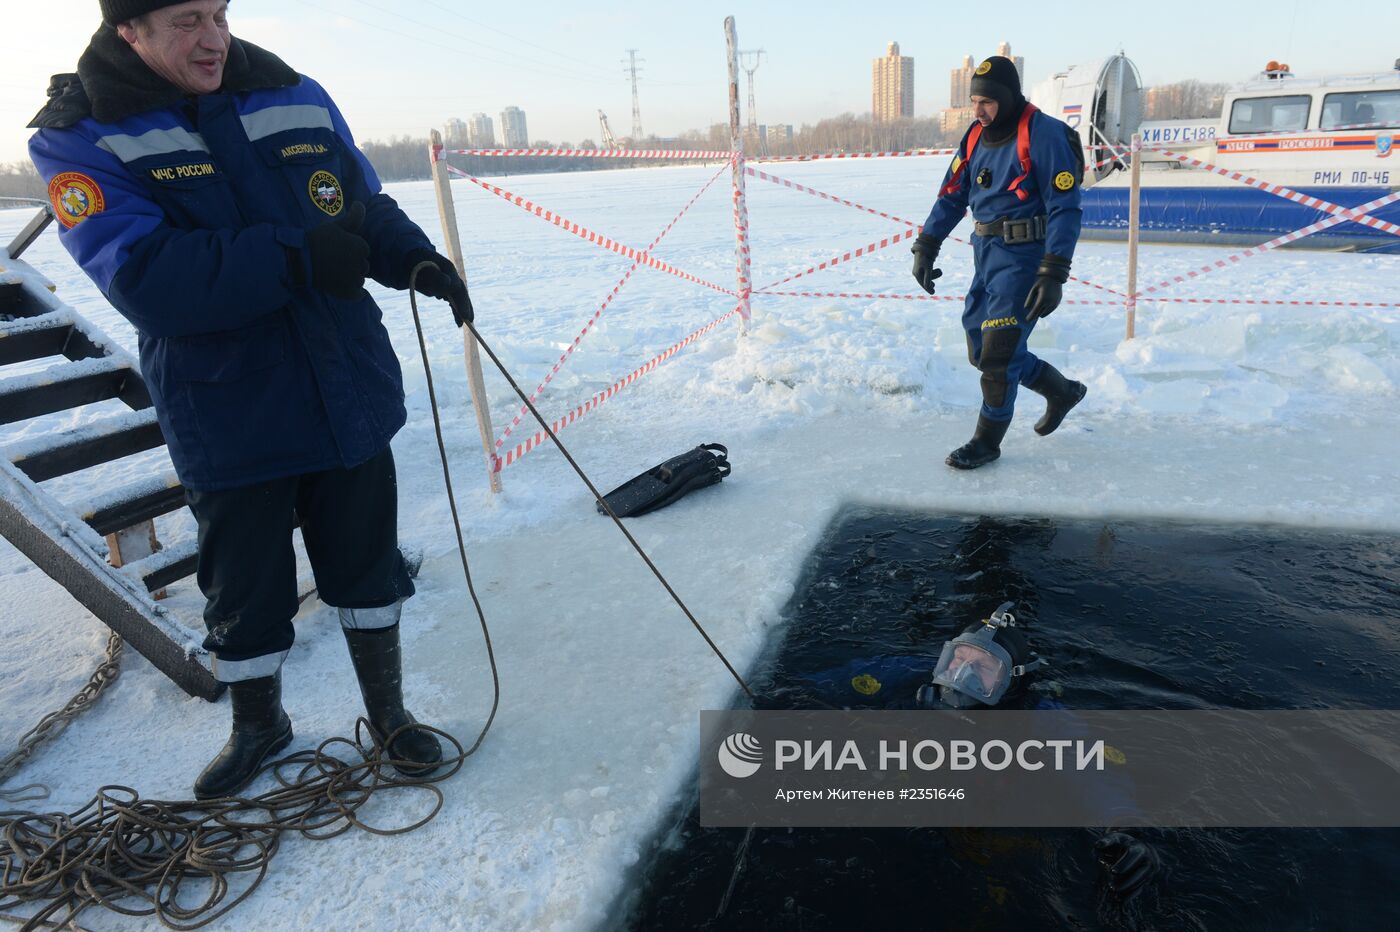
998	349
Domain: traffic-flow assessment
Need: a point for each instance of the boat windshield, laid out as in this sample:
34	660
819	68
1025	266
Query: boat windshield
1270	114
1361	109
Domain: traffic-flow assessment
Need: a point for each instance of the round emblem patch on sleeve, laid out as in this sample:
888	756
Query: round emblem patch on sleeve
326	192
1064	181
75	197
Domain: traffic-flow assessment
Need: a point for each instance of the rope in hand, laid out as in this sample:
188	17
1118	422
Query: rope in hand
602	502
452	500
188	862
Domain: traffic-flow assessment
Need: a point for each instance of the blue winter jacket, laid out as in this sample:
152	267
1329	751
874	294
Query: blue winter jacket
190	214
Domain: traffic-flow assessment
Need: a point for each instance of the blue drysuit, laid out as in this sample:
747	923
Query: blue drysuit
891	681
995	313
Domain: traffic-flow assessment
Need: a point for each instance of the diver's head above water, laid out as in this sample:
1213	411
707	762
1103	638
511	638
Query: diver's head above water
988	662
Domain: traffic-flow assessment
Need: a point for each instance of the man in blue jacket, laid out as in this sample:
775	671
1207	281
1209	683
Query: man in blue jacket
217	199
1020	171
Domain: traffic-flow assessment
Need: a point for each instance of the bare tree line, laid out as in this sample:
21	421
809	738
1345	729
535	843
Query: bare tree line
20	180
1184	100
404	159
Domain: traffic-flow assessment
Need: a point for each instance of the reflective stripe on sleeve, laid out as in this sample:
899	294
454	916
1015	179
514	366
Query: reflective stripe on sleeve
153	142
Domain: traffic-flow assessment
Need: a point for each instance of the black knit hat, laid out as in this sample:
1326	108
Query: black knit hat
119	11
998	79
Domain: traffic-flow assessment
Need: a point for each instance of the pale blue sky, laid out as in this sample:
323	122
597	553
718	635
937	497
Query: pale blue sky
400	66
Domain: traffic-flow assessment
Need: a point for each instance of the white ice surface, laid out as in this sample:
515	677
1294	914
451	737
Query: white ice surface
1216	412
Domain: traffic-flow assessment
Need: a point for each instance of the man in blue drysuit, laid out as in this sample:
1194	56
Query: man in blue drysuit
1020	171
989	664
216	197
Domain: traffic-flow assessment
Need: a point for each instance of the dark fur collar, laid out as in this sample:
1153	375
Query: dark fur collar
113	82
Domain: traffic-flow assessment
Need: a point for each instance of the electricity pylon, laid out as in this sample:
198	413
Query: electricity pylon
750	60
631	69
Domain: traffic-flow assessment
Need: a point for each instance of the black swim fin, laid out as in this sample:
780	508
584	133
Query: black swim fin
661	485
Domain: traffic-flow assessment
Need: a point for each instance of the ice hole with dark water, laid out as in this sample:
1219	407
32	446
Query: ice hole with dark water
1131	614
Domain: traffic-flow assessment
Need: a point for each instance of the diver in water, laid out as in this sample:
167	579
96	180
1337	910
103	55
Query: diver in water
989	663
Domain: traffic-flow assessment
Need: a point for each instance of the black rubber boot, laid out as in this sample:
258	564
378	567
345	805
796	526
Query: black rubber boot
379	666
260	729
984	446
1061	394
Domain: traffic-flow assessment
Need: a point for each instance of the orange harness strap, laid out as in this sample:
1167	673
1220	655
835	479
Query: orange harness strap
1023	153
1023	150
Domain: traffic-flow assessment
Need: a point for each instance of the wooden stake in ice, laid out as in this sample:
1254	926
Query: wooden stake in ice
1134	220
741	207
448	213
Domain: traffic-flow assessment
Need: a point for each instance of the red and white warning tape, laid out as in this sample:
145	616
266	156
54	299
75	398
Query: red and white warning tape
1273	302
1097	287
784	182
876	296
847	257
1244	302
603	307
592	404
584	232
743	257
1270	245
683	154
1354	214
880	296
764	176
1301	133
1124	157
908	153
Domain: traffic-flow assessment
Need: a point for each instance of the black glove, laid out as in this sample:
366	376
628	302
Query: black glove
1128	861
441	281
1048	289
925	250
339	256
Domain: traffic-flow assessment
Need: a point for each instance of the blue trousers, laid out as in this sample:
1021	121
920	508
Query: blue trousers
995	320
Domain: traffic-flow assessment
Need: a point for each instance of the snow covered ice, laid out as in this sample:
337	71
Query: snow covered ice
1215	412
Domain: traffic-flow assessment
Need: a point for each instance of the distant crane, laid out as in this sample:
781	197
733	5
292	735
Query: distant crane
632	69
750	60
609	142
